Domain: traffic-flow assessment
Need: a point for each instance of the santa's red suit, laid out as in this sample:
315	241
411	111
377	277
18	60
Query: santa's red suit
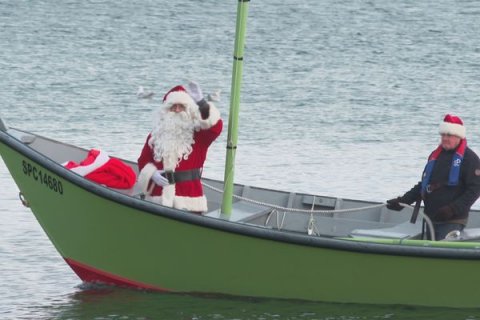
185	195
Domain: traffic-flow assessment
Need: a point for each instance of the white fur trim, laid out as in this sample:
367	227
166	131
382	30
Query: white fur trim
179	97
191	203
99	161
183	203
212	119
453	128
145	175
168	195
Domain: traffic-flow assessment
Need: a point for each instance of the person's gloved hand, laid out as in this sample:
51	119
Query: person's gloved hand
394	204
444	213
159	179
194	90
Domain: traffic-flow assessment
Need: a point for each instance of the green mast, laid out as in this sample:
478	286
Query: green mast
242	12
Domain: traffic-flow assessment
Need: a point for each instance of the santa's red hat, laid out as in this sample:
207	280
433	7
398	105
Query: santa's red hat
452	125
178	94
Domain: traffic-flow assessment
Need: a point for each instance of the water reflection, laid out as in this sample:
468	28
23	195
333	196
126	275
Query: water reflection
117	303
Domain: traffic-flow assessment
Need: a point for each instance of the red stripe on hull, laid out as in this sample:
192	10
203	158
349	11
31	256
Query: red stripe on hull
90	274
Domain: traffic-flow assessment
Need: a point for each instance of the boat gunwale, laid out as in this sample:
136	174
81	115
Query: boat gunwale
243	229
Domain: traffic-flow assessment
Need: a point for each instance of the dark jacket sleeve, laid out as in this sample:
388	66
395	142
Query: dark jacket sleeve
472	185
413	194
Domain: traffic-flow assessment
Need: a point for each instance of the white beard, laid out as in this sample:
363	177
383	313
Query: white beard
172	137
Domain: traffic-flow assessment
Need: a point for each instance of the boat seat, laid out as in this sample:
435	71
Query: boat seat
403	230
26	138
242	211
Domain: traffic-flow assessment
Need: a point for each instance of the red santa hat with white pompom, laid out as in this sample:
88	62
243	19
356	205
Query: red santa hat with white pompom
452	125
179	94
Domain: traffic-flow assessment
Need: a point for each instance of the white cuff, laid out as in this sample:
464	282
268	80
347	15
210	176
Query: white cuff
145	175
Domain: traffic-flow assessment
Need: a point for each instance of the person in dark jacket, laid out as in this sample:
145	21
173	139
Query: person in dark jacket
450	182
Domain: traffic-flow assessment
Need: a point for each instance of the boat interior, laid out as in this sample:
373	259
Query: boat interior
281	210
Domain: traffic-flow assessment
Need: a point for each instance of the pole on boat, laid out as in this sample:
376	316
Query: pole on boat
241	26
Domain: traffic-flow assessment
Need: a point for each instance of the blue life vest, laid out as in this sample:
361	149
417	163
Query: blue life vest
454	174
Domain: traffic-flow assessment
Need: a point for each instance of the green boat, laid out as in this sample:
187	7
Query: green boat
275	244
252	242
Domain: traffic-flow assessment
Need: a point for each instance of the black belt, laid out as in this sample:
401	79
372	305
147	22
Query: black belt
180	176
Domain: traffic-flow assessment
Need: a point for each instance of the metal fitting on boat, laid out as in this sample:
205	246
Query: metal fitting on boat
23	200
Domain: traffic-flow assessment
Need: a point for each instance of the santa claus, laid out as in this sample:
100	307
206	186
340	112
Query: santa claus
172	158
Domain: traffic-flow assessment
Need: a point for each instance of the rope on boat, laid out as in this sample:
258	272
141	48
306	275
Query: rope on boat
312	228
312	223
311	211
279	224
425	217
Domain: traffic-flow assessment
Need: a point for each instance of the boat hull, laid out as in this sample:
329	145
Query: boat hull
126	241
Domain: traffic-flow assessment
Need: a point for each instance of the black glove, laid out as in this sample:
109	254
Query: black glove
394	204
444	213
204	109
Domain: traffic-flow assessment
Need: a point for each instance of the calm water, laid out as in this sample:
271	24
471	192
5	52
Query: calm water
340	98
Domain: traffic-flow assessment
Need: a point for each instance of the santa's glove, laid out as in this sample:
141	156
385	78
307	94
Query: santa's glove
159	179
194	90
445	213
394	204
